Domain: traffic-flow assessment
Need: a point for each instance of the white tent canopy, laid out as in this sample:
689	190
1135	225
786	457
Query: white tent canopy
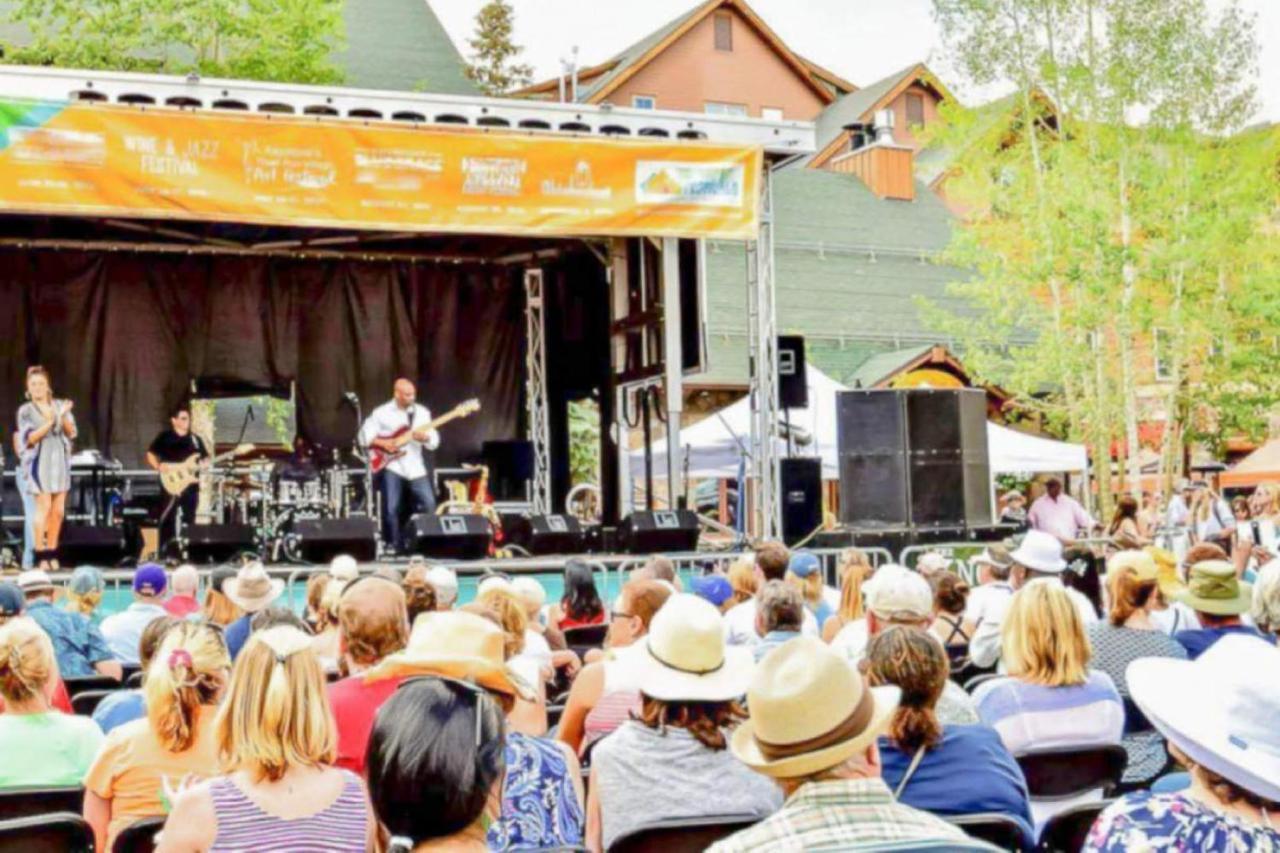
717	444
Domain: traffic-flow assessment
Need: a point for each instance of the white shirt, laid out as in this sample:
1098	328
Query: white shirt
1177	512
740	624
984	599
389	417
1220	518
984	647
851	640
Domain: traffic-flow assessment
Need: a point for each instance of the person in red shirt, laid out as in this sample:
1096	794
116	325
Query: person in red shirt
373	622
184	583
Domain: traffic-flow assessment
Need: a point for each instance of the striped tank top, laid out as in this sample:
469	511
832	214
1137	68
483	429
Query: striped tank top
244	828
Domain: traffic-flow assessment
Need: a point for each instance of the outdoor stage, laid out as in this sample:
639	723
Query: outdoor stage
163	234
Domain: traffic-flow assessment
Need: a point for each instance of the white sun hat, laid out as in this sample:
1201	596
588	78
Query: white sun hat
685	658
1040	552
1220	709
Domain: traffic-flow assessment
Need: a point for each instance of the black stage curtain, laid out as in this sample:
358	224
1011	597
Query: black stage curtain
124	334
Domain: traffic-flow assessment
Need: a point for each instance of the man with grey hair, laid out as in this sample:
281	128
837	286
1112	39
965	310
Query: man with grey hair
445	582
779	616
184	583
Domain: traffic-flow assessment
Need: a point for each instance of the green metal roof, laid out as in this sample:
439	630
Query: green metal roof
879	367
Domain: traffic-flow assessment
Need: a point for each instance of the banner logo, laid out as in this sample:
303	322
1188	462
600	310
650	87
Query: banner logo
698	184
493	175
580	184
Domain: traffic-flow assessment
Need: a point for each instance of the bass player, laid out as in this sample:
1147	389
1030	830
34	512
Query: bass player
170	447
401	428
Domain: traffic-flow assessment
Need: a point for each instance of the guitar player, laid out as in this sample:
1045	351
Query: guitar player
407	473
176	444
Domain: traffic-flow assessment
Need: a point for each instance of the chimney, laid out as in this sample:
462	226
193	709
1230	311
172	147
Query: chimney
886	167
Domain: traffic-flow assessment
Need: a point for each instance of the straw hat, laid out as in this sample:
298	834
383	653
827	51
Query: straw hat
1217	709
252	589
1167	576
1212	587
34	580
1143	564
685	657
1040	552
996	556
810	711
455	644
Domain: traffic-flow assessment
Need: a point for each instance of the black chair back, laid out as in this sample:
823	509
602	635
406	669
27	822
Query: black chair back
60	832
134	680
1135	721
86	702
28	802
998	829
972	683
1061	773
138	837
682	835
1066	831
79	684
963	674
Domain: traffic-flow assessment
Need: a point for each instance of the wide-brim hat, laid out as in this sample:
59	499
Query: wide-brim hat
810	711
685	657
1040	552
455	644
1226	721
1167	578
252	589
1212	587
34	580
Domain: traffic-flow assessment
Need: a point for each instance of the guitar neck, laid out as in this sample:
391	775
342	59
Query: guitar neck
444	419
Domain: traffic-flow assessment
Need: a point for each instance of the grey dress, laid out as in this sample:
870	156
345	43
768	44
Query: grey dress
48	464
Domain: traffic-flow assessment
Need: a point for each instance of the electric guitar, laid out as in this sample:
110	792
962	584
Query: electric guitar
176	476
380	458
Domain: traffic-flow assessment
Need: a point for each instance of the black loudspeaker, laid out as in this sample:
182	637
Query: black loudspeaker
460	537
510	465
219	543
81	544
793	390
914	457
801	497
319	540
658	531
872	440
547	534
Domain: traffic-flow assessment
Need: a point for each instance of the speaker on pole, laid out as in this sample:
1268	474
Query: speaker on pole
801	481
793	390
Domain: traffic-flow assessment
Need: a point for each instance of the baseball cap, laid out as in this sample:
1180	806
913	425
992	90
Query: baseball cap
713	588
803	564
149	579
11	599
85	580
895	592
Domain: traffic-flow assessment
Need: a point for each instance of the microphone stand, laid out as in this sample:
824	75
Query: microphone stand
372	509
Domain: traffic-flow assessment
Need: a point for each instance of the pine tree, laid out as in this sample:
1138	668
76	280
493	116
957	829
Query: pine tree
493	53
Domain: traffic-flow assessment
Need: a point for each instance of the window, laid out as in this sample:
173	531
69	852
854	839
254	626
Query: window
715	108
1164	365
771	113
724	31
915	109
644	102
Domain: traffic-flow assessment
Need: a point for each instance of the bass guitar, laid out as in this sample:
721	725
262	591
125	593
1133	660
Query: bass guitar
176	476
380	458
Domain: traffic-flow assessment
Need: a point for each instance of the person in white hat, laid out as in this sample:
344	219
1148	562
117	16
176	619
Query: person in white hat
78	644
1224	732
445	582
812	729
344	568
252	589
1039	556
672	760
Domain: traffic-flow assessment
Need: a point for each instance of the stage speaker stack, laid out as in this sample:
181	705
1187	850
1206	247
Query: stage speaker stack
547	534
659	531
219	543
319	540
913	458
801	486
793	389
458	537
83	545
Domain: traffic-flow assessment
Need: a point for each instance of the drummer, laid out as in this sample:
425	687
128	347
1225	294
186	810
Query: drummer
299	466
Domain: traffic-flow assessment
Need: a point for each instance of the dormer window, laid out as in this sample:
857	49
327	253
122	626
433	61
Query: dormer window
724	31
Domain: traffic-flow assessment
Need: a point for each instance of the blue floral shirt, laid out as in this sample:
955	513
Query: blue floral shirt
1174	822
77	642
540	806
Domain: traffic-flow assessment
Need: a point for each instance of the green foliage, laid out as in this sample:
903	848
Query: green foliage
282	40
493	66
584	442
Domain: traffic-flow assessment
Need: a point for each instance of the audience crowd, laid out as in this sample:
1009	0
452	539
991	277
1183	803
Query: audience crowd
387	714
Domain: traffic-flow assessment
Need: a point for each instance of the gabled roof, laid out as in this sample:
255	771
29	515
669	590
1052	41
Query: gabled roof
596	82
883	367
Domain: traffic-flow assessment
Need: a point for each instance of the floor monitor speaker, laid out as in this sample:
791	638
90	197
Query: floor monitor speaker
458	537
219	543
319	540
548	534
82	544
658	531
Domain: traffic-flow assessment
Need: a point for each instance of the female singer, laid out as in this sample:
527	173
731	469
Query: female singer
46	429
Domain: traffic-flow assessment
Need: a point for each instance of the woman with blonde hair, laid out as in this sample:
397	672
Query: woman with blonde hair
529	717
41	746
744	580
855	570
84	593
316	586
326	641
276	743
142	759
219	609
1050	698
45	431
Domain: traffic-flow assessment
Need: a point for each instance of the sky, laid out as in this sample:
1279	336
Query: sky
861	40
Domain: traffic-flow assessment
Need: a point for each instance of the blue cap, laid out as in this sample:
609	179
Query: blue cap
149	579
85	580
713	588
804	564
11	599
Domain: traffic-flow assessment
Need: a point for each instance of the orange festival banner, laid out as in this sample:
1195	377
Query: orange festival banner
91	160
